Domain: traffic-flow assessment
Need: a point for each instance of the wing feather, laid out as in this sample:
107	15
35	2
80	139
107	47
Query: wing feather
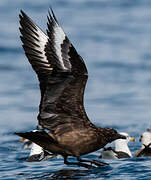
34	42
61	71
67	58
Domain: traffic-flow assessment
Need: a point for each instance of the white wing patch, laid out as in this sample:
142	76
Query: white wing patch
59	36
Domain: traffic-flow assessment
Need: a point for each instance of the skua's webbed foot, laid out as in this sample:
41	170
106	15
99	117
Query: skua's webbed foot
78	164
97	163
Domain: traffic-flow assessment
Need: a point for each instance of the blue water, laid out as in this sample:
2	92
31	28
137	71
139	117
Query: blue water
114	38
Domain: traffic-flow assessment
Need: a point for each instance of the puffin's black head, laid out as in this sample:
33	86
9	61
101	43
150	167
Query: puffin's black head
112	134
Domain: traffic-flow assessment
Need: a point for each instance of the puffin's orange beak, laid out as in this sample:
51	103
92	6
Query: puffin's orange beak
132	139
21	140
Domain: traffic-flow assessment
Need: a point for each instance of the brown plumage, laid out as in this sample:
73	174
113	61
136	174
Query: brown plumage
62	75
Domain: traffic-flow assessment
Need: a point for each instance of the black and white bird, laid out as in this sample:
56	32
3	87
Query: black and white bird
36	152
62	75
145	150
121	149
27	144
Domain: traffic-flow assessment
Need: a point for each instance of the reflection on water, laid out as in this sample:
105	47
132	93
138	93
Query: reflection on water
66	173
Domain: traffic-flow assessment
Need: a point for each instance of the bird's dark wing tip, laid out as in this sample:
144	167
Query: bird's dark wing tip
52	15
22	13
